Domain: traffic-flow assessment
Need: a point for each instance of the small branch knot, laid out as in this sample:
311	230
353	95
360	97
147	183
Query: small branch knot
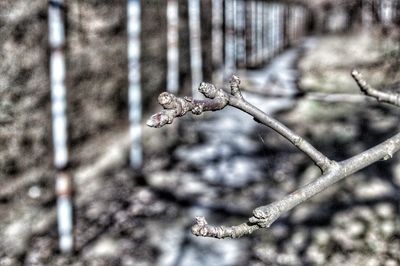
201	228
380	96
264	216
166	99
198	109
208	89
176	106
188	99
390	149
169	102
235	89
298	141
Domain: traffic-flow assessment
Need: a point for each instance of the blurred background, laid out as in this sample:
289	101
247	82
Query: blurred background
85	182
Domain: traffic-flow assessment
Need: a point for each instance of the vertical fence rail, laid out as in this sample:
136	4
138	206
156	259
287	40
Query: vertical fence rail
59	123
196	63
230	66
134	90
235	32
281	28
248	33
217	41
292	26
240	27
364	7
286	31
265	32
303	21
386	8
260	29
57	82
253	33
270	31
173	46
276	27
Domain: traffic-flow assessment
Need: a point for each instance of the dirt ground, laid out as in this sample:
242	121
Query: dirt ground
128	218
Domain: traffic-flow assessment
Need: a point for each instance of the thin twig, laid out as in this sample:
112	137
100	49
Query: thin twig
202	228
176	107
367	89
320	159
218	99
333	172
264	216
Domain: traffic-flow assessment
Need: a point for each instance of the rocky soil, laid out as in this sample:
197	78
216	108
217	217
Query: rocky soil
221	165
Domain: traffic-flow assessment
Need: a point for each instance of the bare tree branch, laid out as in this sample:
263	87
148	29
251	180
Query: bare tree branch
176	107
387	97
333	172
202	228
264	216
320	159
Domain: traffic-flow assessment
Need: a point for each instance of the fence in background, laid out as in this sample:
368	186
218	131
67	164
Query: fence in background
244	34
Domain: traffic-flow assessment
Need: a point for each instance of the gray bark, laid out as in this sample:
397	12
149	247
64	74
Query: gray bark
332	171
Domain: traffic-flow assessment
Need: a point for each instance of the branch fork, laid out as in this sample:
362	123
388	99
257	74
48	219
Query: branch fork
380	96
332	171
176	107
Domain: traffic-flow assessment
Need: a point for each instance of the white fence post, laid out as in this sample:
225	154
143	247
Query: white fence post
217	42
260	29
134	90
57	83
387	11
172	46
265	32
230	59
59	123
196	63
270	21
240	27
281	27
253	56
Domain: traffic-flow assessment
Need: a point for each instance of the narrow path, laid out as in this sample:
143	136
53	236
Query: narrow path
214	175
225	155
227	158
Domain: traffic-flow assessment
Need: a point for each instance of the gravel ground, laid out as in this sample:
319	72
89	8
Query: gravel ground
129	218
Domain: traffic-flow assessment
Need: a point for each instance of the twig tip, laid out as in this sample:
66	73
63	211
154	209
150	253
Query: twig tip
355	72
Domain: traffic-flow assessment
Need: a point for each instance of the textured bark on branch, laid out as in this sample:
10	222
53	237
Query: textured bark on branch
176	107
332	171
381	96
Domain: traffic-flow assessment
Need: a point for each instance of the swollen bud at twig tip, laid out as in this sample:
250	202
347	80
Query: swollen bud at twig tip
199	228
354	73
188	99
234	80
149	123
200	220
259	214
387	157
234	84
158	120
165	99
198	109
208	90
